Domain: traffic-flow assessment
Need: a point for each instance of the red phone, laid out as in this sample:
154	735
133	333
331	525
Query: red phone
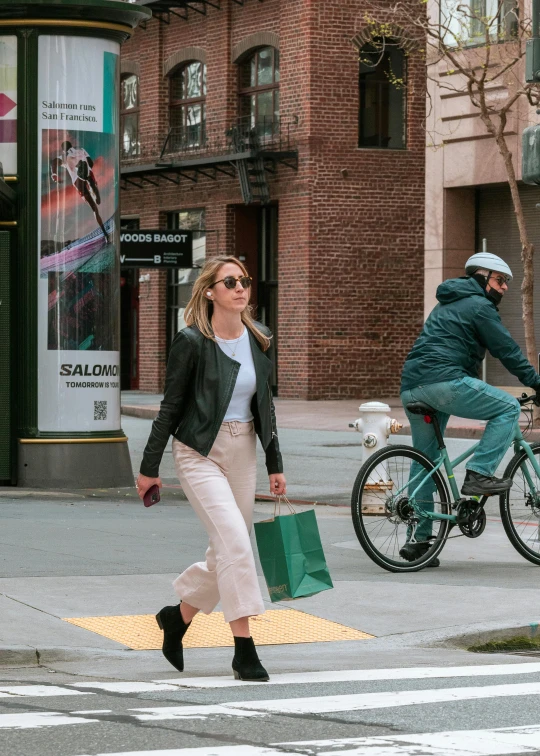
151	496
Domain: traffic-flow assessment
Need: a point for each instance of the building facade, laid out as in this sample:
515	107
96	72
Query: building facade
282	133
468	200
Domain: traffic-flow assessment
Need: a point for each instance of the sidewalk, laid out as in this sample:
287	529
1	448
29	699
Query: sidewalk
99	553
325	415
89	559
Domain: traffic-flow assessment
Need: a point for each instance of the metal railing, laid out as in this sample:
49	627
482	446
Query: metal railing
213	139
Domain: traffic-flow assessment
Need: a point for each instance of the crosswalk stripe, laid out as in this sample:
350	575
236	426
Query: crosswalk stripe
125	687
292	678
329	704
201	711
496	742
298	706
358	675
16	691
31	720
230	750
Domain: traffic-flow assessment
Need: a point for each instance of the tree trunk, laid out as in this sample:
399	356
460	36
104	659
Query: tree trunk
527	259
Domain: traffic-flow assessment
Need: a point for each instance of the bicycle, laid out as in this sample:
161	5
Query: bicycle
389	506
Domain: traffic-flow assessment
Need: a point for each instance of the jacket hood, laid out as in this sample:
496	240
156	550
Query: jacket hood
458	288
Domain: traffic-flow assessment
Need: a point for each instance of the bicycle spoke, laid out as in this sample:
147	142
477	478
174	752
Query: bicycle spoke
386	518
520	507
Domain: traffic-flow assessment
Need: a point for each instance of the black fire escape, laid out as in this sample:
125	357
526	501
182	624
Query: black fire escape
164	9
250	151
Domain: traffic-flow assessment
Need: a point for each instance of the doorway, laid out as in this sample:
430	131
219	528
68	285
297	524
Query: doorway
256	245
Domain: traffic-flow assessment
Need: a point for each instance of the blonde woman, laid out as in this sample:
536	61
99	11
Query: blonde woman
217	400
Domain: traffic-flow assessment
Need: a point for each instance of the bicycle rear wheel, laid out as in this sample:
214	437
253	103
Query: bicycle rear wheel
384	518
520	507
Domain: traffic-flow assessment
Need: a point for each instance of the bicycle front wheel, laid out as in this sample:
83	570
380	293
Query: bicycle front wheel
386	519
520	506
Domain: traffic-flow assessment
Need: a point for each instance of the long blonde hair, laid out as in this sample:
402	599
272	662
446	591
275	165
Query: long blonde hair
199	309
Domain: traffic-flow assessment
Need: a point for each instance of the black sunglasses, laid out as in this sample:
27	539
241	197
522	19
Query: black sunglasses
501	280
230	282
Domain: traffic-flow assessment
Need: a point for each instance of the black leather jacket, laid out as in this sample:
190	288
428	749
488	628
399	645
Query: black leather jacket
198	388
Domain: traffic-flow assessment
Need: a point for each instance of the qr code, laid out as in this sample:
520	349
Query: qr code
100	410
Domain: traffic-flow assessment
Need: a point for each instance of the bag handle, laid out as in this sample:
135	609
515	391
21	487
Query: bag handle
277	505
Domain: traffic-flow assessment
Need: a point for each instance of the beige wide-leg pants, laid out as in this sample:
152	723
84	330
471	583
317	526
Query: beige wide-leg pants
221	490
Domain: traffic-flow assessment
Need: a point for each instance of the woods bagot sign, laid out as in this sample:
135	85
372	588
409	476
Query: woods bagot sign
156	248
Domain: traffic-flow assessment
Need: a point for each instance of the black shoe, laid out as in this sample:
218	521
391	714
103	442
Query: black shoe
476	484
246	664
174	628
413	551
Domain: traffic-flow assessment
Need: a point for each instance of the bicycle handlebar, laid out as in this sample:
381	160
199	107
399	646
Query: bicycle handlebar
525	399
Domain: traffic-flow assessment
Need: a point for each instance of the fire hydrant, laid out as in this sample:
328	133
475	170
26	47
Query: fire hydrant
376	426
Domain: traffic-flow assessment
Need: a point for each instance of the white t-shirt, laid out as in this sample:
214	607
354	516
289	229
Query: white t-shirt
246	382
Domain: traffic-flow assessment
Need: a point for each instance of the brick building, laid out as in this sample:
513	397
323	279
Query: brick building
259	125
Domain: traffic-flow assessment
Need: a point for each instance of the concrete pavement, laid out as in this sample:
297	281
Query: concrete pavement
94	553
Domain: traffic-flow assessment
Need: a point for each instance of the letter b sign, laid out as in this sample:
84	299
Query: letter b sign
157	259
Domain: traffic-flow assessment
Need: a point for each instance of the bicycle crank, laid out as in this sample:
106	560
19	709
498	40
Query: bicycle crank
471	518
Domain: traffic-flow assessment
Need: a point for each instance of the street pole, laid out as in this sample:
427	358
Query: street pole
64	241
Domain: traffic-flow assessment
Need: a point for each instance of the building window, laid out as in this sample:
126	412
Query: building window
469	23
180	281
382	97
259	90
129	116
187	105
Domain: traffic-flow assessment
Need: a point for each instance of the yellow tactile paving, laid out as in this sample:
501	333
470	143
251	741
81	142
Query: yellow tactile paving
140	631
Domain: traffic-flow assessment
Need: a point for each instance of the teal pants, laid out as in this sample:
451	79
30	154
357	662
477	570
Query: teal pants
472	399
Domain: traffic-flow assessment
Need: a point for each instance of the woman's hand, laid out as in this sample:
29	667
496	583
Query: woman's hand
143	483
278	484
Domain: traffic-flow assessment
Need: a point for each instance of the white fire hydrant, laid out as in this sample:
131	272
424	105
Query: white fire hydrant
376	426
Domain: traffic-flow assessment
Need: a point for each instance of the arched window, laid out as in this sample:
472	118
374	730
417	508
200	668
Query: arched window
382	96
187	108
129	115
259	90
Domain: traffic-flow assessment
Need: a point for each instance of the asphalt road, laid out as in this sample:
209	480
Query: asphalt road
448	715
411	689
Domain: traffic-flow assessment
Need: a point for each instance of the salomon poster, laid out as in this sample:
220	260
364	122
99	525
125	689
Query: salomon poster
79	330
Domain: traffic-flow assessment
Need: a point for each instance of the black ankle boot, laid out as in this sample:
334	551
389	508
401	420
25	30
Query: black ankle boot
246	664
174	628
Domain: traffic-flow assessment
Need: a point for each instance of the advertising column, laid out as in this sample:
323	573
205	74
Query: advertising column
78	240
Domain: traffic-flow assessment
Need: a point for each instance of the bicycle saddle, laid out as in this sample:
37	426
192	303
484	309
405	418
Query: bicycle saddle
419	408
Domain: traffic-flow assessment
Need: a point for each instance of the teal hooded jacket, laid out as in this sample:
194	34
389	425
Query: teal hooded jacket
456	335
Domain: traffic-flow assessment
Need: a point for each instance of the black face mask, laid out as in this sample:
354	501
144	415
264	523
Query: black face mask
493	295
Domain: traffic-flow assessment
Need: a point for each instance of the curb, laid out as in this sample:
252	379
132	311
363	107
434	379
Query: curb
456	431
300	502
147	413
484	635
26	656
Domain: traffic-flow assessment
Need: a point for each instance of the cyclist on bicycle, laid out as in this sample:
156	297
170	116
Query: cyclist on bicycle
442	371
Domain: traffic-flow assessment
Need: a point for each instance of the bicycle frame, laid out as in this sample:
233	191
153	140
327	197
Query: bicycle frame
450	465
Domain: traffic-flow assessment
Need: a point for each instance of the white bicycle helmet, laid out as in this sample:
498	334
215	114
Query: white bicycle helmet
487	261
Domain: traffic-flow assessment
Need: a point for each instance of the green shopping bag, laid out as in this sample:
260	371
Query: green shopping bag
292	556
